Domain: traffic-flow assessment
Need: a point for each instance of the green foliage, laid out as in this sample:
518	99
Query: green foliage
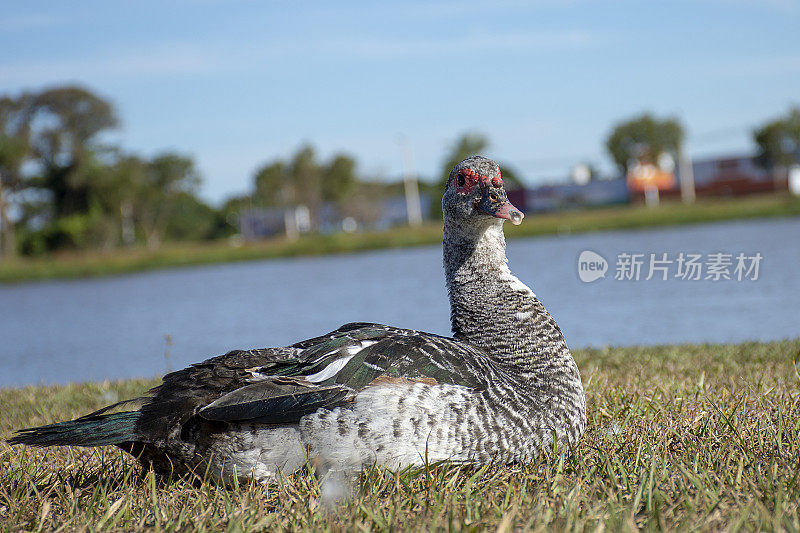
680	438
192	220
779	140
65	122
306	176
338	178
167	177
56	129
87	195
304	181
643	138
76	116
273	185
14	150
81	231
229	212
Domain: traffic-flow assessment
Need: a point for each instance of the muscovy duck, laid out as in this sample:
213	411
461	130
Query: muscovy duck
501	389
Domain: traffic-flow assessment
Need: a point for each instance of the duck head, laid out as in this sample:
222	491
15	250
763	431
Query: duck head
475	194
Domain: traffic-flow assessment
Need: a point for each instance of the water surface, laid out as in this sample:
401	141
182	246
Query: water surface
63	331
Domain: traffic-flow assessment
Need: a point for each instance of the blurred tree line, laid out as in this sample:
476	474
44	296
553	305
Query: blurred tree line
63	186
304	180
70	190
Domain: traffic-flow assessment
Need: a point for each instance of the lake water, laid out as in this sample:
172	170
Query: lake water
63	331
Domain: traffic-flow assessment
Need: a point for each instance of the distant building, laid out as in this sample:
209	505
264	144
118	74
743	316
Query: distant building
734	176
729	176
571	195
260	223
393	211
722	176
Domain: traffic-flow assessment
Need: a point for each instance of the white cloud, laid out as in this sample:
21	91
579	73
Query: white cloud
167	59
461	43
193	58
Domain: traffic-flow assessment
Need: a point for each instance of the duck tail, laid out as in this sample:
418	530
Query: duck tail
91	430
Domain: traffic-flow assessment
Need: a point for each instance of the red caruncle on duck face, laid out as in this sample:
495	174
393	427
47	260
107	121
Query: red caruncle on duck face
467	179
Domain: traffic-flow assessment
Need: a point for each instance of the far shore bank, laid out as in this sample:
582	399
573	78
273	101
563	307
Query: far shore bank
91	264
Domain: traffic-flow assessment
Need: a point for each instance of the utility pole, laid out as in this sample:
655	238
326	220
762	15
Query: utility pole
686	172
413	209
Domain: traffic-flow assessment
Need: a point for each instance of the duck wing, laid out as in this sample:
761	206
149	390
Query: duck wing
357	354
279	386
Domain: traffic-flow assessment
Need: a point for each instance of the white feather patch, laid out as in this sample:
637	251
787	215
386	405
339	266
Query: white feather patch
513	281
334	368
352	350
330	370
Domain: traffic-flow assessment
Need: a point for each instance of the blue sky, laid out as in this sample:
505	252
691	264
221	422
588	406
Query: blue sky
236	84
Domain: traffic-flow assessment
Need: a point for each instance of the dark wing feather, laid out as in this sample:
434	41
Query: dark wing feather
273	401
184	392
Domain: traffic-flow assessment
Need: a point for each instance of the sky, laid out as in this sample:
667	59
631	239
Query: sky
236	84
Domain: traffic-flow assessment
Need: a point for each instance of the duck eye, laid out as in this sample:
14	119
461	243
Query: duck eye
461	180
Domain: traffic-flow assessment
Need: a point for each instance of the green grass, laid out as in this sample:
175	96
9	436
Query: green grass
680	437
182	254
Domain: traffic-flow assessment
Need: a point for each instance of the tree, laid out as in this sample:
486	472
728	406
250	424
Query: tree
304	181
81	193
168	176
274	185
193	219
642	139
338	178
124	192
779	141
15	149
65	122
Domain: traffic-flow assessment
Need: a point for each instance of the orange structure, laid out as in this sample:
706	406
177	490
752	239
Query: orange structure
646	176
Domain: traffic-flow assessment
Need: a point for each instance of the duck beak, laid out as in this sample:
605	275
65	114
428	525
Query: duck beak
499	206
509	212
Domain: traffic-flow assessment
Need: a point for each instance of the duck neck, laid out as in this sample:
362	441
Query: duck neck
489	307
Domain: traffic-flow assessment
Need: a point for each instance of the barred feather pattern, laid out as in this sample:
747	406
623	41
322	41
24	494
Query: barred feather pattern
496	312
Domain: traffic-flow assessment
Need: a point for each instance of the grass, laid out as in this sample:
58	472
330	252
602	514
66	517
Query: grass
75	265
680	437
